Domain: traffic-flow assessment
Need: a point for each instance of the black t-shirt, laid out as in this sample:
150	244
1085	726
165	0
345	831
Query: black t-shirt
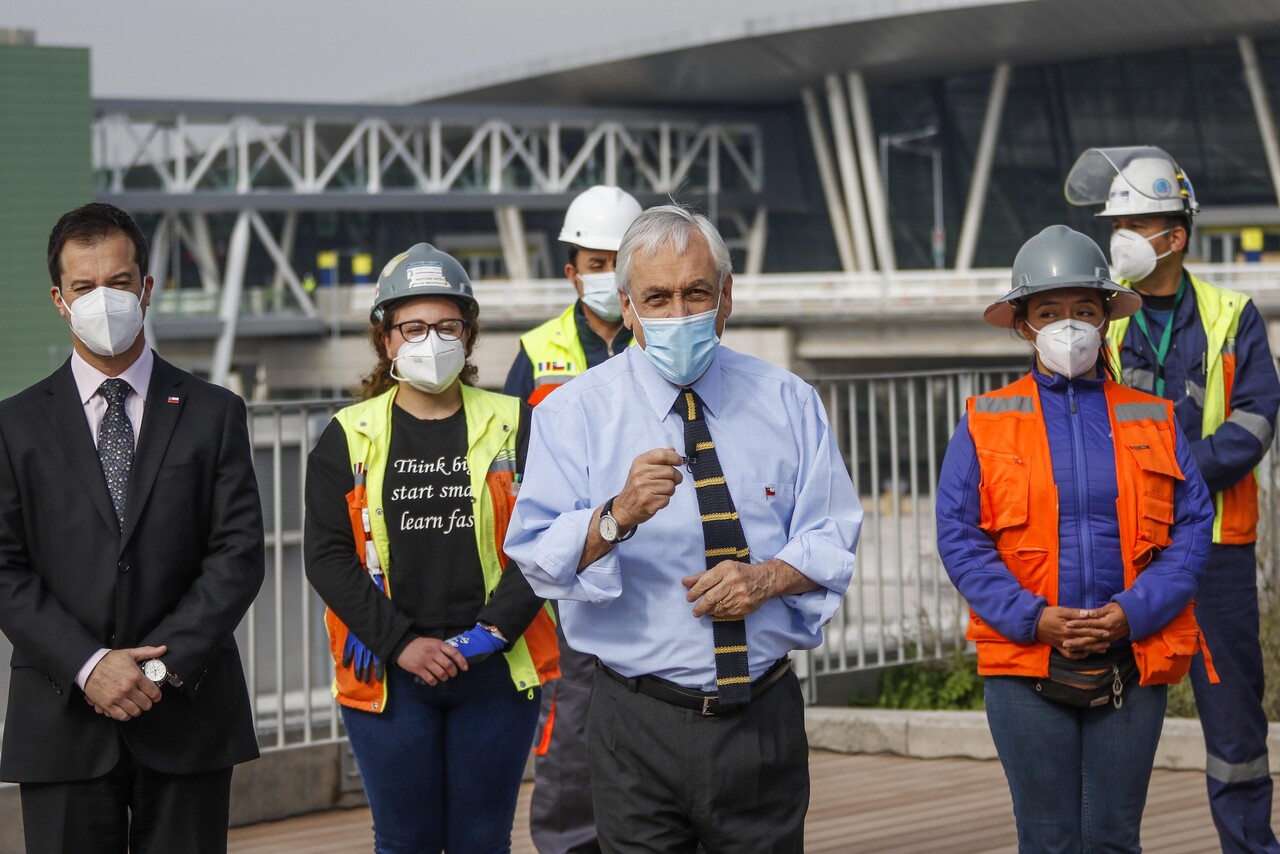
426	496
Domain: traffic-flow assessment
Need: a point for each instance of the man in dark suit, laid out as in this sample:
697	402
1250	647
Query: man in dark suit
131	544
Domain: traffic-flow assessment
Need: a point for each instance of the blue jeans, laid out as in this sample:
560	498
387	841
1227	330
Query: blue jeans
442	765
1078	776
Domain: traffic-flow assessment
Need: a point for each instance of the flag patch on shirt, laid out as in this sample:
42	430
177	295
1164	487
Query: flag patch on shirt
769	492
554	367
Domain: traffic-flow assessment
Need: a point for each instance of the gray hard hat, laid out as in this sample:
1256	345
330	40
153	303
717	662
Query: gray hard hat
422	271
1060	258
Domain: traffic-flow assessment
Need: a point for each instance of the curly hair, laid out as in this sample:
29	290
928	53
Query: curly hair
379	379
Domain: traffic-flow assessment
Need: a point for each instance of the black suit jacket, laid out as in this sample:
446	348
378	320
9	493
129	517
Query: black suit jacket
182	573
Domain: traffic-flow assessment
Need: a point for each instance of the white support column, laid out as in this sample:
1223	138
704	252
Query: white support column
206	258
309	153
1261	109
877	205
161	240
757	238
375	159
982	168
515	249
827	174
288	237
229	306
850	180
243	166
284	269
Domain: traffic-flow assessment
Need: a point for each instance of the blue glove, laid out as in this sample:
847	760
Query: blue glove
476	644
364	665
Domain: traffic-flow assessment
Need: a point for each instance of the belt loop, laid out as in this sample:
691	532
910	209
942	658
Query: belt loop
633	685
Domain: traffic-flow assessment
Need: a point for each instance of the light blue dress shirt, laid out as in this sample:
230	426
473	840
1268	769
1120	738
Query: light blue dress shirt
785	474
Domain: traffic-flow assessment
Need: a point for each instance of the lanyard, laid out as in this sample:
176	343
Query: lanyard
1162	349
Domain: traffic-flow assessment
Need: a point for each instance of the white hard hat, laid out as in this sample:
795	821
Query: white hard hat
599	217
1133	181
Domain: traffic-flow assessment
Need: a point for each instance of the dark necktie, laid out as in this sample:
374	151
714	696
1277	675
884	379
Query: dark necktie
115	444
723	539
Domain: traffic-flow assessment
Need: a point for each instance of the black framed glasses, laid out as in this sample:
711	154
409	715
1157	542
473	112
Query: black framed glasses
415	331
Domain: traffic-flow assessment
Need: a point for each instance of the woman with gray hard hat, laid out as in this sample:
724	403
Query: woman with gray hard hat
1073	520
408	495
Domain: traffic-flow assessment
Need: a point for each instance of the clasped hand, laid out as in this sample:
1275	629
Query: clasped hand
117	687
1077	632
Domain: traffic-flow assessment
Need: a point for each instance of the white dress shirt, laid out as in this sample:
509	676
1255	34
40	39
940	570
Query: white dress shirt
88	380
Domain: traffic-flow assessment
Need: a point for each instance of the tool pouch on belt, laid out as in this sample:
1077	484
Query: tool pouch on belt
1091	681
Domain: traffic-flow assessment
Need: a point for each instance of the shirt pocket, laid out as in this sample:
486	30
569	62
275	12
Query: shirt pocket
765	509
1157	478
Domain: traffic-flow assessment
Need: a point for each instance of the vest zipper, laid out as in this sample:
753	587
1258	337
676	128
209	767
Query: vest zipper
1082	510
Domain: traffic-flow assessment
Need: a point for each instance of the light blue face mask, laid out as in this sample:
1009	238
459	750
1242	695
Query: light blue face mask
681	348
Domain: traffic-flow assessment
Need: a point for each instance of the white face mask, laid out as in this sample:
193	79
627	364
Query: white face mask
1132	255
107	320
600	294
1068	347
430	366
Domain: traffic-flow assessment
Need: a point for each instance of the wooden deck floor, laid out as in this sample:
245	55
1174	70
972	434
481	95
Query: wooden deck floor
880	804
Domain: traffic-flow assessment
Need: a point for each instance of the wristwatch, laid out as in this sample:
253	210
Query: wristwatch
158	672
608	526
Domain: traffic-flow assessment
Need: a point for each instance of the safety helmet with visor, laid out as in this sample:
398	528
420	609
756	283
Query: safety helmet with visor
421	271
598	218
1059	257
1138	180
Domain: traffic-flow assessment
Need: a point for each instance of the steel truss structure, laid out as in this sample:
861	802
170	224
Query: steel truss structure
185	160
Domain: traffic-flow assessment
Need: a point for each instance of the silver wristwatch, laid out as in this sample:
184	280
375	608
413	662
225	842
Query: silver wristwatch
610	530
158	672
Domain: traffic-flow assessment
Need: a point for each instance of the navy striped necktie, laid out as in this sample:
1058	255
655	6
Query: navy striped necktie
723	539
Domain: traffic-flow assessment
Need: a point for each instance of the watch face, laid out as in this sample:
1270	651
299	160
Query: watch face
155	670
608	529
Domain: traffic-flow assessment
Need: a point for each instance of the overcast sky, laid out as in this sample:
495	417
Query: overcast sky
365	50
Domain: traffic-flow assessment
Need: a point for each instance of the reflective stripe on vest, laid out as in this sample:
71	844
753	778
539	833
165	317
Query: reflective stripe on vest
556	353
492	423
1235	508
1019	510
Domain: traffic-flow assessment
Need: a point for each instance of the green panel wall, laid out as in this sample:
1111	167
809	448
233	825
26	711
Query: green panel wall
45	170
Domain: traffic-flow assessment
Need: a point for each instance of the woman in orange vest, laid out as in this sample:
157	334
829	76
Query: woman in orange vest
438	650
1073	520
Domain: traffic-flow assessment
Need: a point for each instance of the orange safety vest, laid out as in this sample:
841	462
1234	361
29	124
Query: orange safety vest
1019	510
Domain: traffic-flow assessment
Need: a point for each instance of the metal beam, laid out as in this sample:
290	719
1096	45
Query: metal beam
982	167
849	177
877	208
1261	109
756	241
827	174
229	306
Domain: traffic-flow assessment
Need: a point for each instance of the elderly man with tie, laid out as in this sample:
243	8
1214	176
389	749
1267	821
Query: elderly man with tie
689	508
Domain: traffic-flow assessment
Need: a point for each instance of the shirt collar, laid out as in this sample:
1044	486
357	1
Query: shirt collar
88	378
661	393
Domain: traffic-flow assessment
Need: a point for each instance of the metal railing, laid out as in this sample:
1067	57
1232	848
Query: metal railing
892	430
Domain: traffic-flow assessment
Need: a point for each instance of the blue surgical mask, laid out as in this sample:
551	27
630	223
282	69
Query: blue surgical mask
681	348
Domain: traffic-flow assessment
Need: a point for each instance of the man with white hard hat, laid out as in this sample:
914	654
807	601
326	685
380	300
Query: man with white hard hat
1204	348
561	820
590	330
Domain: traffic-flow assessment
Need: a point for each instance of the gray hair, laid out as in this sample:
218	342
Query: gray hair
669	225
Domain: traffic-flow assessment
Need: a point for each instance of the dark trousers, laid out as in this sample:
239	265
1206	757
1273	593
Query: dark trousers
442	765
131	808
666	779
561	820
1231	715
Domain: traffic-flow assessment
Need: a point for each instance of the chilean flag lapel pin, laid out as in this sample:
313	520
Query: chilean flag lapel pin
173	398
